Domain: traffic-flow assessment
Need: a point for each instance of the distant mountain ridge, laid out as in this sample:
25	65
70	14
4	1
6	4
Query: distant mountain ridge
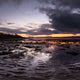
56	37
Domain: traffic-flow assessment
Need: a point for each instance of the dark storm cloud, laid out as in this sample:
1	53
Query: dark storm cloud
70	3
66	22
61	15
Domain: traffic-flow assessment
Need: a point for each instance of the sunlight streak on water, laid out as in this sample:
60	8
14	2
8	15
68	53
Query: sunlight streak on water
35	57
41	57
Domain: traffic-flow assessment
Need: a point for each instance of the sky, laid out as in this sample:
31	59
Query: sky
40	18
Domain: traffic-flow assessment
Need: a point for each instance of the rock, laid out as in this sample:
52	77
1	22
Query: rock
37	78
5	53
73	53
19	55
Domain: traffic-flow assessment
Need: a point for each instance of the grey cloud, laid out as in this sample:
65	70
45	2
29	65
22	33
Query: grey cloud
43	30
3	1
10	23
17	2
8	30
1	24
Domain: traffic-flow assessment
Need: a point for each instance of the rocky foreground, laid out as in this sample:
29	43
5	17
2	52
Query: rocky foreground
29	61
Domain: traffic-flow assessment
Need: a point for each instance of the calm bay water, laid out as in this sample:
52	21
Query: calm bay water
25	61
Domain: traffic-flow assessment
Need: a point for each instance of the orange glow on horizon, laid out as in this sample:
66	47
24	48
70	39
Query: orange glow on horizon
24	35
52	35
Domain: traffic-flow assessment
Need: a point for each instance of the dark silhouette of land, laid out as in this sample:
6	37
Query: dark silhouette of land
4	36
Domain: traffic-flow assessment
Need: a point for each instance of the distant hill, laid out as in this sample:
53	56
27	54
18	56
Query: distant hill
4	36
57	37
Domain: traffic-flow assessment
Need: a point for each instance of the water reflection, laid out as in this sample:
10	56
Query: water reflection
41	57
39	61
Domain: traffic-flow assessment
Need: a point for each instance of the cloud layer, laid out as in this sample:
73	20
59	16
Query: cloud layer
64	15
44	29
